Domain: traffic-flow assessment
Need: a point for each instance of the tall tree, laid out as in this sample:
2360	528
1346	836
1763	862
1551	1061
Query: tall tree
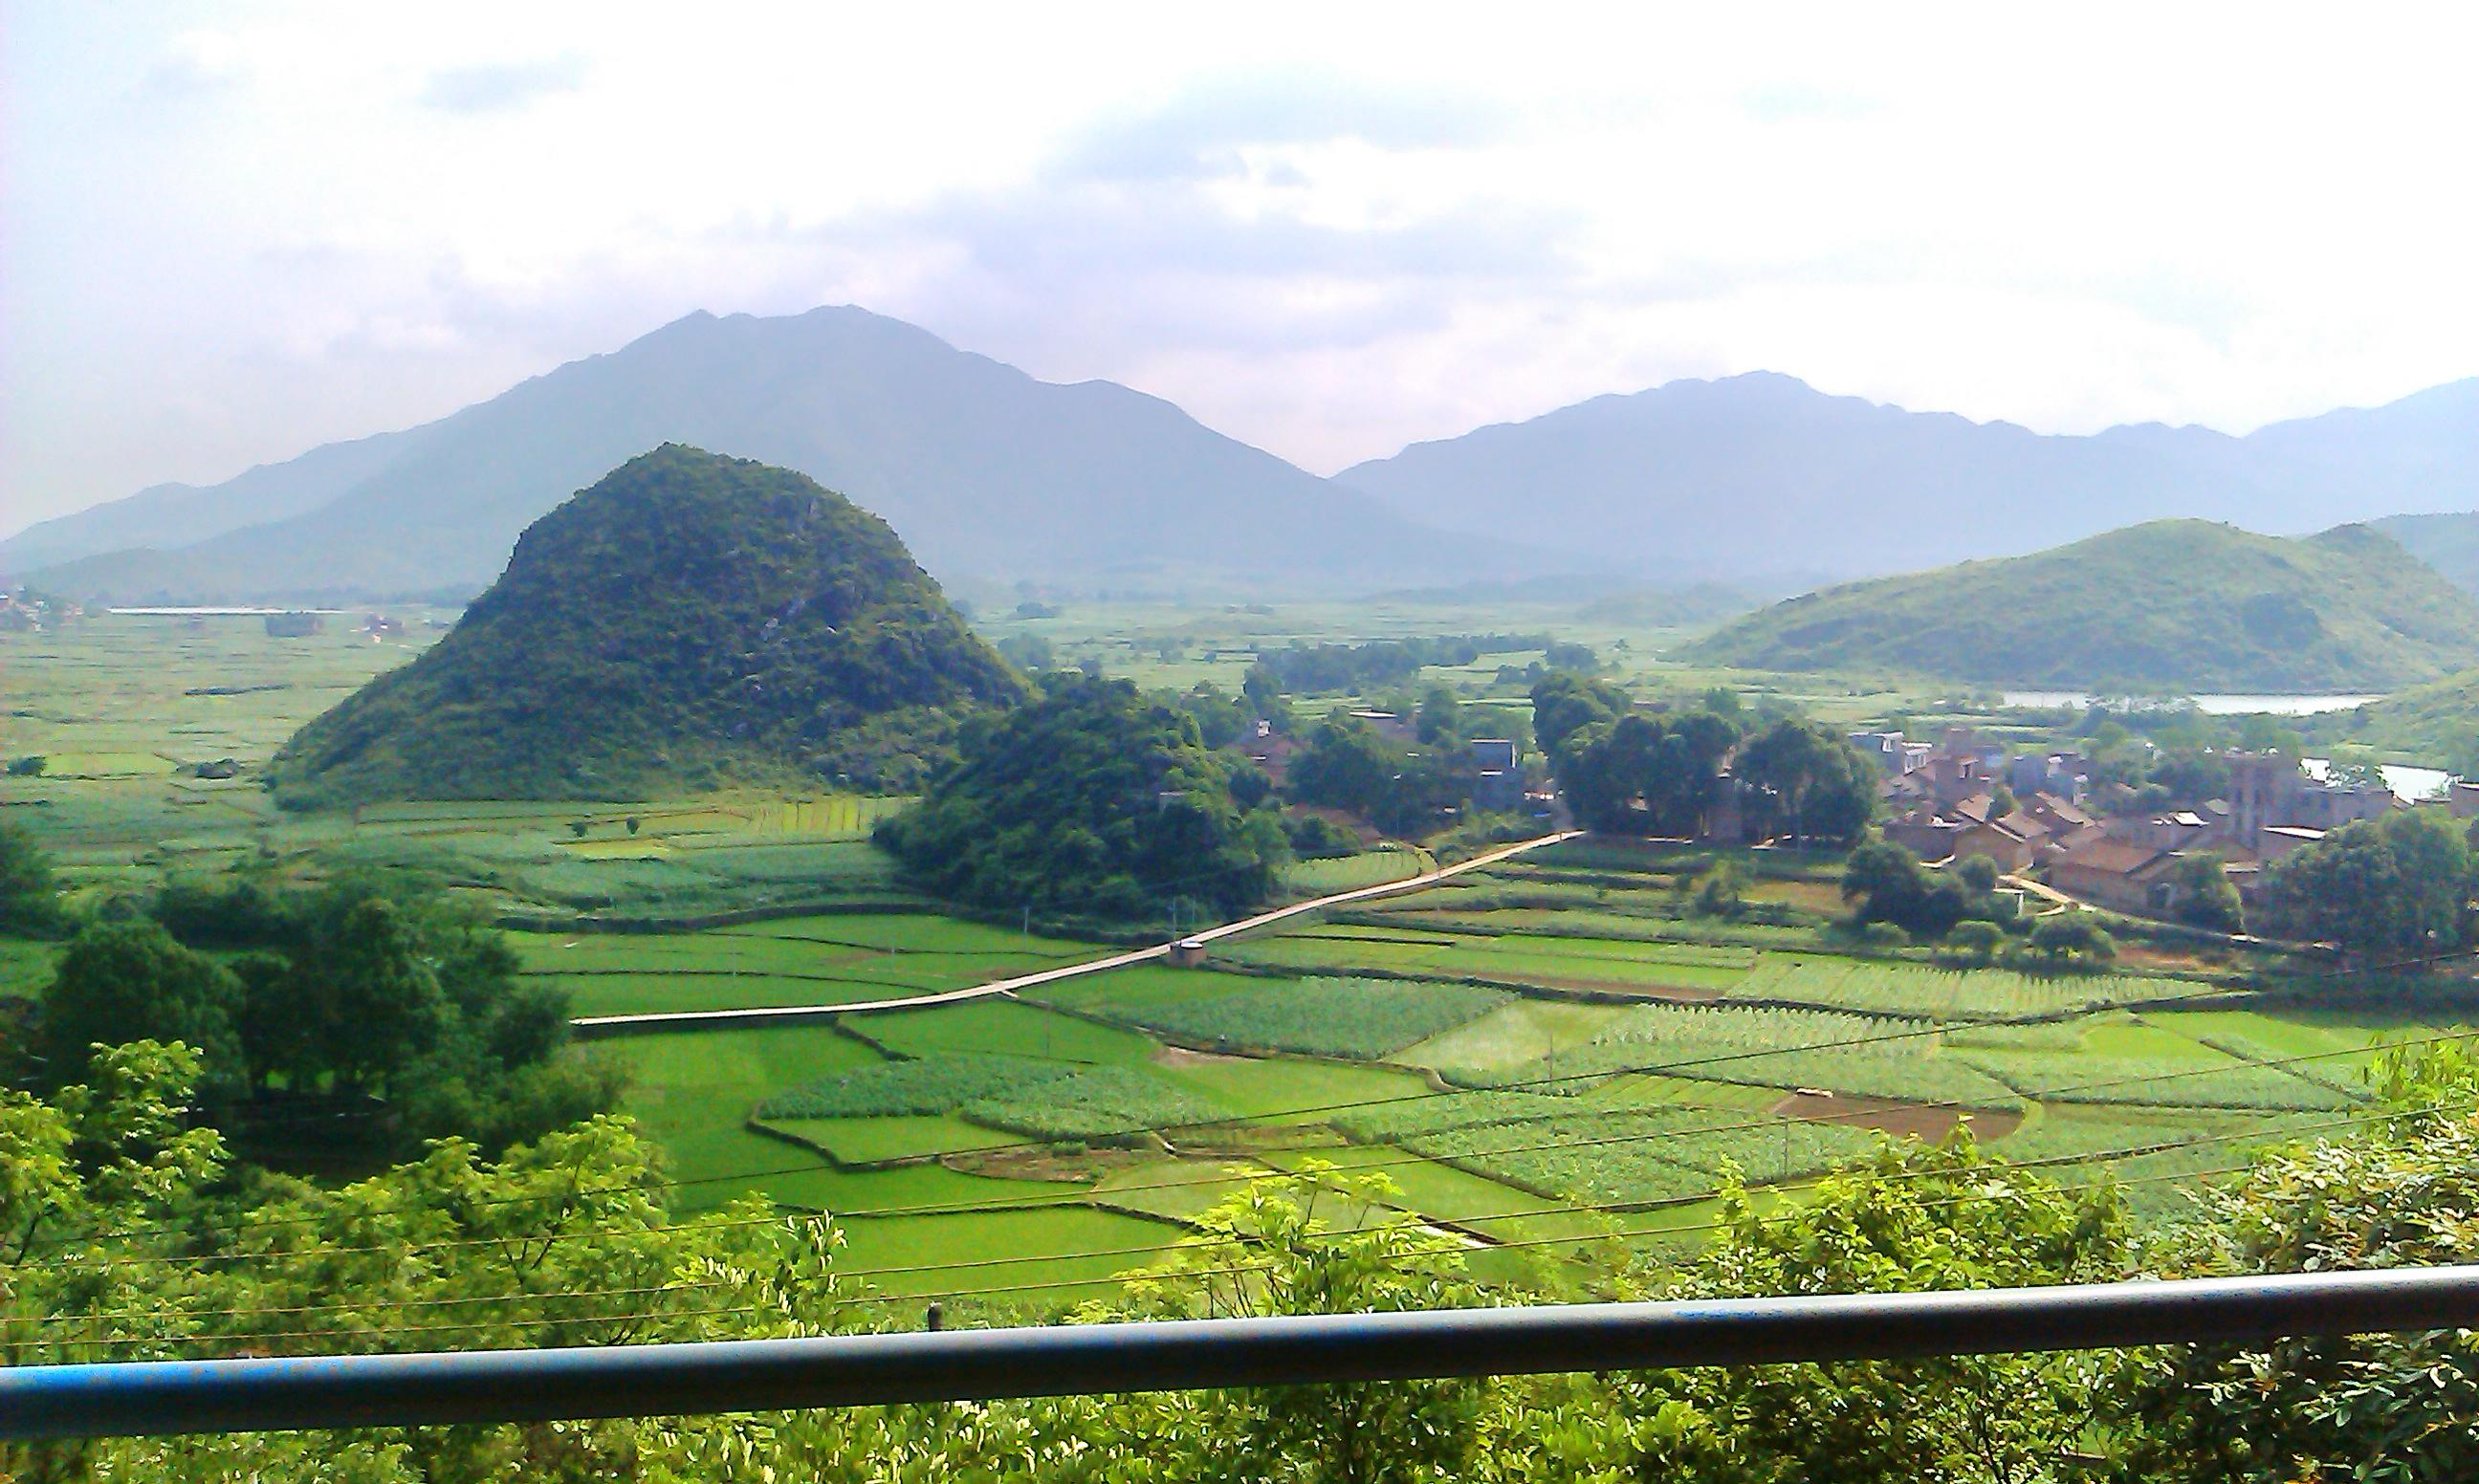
123	982
1564	704
29	901
1644	775
1807	782
2397	888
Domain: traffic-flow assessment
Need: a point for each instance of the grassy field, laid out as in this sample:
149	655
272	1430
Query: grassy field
799	961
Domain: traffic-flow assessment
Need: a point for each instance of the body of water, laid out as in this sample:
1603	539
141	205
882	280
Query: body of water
208	612
2210	704
2409	785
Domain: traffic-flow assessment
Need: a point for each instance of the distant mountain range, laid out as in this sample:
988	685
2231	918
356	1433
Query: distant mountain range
982	470
2169	604
1756	480
1761	476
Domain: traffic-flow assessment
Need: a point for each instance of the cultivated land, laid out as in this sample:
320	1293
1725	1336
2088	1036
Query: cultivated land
1549	1057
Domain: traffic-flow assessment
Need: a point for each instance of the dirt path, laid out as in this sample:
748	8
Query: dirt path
589	1027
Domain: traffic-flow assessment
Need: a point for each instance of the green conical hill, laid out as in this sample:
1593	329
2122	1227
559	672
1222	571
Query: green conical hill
688	620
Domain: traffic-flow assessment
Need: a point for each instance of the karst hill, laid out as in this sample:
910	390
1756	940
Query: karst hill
688	620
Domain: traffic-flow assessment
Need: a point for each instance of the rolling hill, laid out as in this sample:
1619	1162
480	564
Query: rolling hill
2171	604
687	620
986	472
1759	477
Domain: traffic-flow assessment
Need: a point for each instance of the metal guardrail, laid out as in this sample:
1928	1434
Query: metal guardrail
662	1380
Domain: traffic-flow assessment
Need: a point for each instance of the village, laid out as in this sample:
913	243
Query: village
1965	795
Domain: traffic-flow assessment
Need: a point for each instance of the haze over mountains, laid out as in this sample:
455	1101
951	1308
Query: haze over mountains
986	472
1761	475
982	470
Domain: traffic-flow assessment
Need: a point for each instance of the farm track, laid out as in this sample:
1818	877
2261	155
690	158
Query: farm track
594	1026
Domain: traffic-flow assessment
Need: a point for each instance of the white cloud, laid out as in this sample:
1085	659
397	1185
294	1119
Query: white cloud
250	228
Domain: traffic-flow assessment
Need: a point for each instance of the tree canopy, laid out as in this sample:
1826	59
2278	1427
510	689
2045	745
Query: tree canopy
29	901
1646	774
392	1007
2397	888
1093	801
1808	782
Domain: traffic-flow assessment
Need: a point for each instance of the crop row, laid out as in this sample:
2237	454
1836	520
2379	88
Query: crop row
1098	1102
932	1084
2141	1083
1955	995
1365	1018
1760	1047
1640	1156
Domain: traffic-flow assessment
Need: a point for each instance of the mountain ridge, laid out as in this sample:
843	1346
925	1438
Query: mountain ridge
1756	479
988	470
1761	475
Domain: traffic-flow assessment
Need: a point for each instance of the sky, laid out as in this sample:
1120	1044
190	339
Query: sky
231	231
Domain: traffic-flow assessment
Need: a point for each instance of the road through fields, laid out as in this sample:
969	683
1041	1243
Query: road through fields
590	1027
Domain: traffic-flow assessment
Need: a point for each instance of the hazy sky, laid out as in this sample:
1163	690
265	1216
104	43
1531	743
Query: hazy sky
229	232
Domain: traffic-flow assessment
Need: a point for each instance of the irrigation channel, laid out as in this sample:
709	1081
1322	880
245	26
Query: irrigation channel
590	1027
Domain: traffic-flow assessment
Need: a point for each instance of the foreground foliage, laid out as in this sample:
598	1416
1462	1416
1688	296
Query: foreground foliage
127	1234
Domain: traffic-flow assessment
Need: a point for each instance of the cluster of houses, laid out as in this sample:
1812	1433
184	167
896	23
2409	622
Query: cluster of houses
1965	795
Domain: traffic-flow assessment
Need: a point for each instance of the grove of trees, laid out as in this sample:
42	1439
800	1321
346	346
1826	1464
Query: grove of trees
1093	801
399	1014
2394	889
1629	772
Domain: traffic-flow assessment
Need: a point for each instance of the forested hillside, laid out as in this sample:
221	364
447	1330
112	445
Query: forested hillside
689	618
2172	604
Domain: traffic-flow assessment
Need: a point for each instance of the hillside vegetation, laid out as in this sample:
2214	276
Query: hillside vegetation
688	619
2171	604
2436	723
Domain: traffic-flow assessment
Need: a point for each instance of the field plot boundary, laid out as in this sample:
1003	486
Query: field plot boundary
592	1026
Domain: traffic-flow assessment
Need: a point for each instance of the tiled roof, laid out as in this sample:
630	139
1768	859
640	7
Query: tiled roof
2114	856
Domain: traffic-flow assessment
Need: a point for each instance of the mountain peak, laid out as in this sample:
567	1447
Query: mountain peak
986	471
